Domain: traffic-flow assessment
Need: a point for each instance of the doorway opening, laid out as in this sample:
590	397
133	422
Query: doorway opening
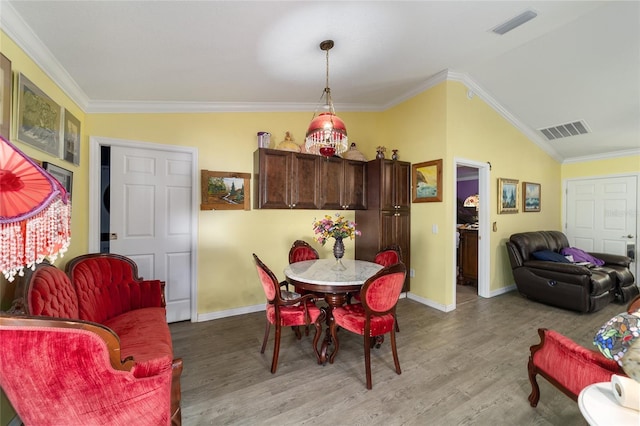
471	218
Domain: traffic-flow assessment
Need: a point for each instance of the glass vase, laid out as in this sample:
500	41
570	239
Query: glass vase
338	253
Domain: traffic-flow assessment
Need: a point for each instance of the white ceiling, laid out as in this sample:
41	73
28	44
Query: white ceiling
578	60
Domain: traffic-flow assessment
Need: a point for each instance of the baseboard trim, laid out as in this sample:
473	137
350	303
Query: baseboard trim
431	303
261	307
231	312
502	290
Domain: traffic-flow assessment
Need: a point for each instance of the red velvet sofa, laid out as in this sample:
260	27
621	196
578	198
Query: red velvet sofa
104	290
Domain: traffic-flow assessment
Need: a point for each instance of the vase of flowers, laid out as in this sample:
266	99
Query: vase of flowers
336	227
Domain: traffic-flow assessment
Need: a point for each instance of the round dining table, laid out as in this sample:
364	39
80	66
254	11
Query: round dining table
334	280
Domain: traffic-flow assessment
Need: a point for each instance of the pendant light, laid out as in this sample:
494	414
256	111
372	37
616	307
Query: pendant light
327	134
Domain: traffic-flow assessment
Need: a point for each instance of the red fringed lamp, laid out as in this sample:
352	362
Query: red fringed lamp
35	213
327	134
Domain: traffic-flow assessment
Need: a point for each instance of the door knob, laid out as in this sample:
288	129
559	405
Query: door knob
628	236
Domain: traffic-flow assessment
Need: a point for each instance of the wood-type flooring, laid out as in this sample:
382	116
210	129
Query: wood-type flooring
465	367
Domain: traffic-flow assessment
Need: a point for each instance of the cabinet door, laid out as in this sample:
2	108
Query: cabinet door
387	184
331	183
354	187
402	184
469	254
395	228
273	187
304	181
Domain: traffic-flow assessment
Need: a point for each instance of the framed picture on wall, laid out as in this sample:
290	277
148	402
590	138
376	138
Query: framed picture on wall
531	197
225	190
39	118
5	97
507	195
427	181
64	176
71	132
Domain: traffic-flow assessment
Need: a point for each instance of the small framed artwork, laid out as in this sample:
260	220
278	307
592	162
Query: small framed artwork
5	96
64	176
39	118
507	196
531	197
427	181
225	190
71	138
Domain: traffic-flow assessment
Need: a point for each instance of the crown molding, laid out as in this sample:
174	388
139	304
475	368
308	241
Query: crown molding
203	107
607	155
15	27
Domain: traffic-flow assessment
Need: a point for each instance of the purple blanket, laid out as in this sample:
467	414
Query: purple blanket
581	256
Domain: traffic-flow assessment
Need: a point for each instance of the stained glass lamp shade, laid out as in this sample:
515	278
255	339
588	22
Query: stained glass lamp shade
35	213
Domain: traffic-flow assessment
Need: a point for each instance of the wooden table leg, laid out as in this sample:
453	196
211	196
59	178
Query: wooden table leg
333	301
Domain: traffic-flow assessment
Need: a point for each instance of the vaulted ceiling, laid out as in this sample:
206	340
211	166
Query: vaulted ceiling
576	61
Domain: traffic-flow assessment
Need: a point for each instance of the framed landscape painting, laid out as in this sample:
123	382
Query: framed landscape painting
531	197
225	190
427	181
39	118
507	195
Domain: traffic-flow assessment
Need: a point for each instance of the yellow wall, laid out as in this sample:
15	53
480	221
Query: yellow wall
611	166
226	277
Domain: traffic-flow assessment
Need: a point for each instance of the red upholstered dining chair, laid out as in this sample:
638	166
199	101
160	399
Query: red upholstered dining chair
300	251
375	316
286	313
387	256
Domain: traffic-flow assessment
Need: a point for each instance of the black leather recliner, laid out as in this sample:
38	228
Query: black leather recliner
565	285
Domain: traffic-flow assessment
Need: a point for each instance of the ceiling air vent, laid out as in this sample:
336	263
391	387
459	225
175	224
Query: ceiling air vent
565	130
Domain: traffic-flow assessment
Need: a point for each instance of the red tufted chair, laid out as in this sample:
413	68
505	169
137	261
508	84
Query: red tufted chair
285	313
375	316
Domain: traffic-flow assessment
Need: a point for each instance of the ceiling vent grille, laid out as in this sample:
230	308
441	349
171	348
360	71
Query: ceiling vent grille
565	130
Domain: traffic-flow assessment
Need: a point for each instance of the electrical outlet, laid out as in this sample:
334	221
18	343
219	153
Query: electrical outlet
412	273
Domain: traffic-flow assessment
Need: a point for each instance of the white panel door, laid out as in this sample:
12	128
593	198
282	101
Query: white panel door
151	219
602	215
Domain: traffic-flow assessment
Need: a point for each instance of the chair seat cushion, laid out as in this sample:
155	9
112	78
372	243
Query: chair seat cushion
144	334
352	318
293	315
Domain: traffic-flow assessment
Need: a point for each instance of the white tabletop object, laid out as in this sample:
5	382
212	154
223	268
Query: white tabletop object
322	271
599	407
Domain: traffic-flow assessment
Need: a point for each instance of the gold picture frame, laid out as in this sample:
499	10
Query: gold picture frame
5	97
39	118
225	190
507	195
531	197
427	181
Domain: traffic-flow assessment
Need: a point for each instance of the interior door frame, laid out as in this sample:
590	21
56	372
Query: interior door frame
484	218
95	143
565	184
